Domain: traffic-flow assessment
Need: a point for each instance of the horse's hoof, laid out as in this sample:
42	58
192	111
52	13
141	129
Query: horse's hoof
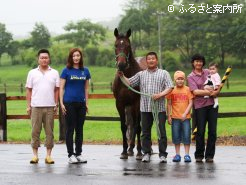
139	156
124	156
130	153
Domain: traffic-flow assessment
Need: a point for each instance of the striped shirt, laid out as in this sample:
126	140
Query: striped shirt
151	82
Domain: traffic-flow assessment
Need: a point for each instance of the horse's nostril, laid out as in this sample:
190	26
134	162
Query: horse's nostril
121	68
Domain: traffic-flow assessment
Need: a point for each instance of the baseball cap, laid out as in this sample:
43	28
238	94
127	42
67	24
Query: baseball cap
179	74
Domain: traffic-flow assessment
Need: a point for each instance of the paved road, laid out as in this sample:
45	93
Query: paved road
105	167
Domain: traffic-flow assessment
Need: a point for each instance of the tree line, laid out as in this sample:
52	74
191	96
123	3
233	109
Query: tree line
217	32
184	31
83	34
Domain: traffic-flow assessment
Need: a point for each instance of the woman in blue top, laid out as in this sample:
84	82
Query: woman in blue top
74	87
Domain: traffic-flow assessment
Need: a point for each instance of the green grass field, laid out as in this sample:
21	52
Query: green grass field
13	76
104	131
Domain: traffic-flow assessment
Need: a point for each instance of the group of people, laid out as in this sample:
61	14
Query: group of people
45	88
180	100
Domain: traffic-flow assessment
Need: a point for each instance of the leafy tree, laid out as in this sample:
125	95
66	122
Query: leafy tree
135	21
238	32
138	18
106	58
91	54
5	39
29	57
239	51
187	33
12	50
26	43
225	31
40	37
151	9
83	33
214	35
59	53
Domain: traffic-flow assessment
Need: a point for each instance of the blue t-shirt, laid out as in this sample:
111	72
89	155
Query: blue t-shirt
75	84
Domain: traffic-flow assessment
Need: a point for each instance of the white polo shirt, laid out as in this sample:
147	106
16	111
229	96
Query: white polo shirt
43	87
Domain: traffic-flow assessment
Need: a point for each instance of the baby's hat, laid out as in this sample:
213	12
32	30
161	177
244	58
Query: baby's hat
179	74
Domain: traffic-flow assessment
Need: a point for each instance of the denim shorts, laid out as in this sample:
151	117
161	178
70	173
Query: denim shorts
181	131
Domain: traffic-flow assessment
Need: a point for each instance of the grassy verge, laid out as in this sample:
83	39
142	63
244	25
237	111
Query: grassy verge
105	131
13	76
109	132
20	130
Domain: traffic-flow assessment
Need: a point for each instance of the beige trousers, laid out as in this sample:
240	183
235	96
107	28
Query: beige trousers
42	116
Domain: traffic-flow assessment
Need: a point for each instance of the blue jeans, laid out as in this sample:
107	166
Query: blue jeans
75	117
181	131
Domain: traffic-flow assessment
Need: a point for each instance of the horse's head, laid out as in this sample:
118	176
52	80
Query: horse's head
122	49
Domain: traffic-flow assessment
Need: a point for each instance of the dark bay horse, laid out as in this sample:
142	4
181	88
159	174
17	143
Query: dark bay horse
127	102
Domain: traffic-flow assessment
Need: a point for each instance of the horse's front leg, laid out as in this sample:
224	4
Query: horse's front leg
124	154
133	136
132	145
130	129
138	133
121	111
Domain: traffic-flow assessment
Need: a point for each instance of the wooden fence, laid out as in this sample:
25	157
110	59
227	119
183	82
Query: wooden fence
4	117
21	87
12	88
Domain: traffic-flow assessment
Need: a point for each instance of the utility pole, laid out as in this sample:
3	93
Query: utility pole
159	15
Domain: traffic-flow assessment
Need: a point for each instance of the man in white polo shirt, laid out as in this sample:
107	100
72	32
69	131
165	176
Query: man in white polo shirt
42	90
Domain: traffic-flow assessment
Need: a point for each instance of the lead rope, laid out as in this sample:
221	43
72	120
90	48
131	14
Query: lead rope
154	106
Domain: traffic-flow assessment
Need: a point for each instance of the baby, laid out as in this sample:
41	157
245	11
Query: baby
213	81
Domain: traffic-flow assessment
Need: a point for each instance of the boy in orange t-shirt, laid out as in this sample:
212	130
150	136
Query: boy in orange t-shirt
178	111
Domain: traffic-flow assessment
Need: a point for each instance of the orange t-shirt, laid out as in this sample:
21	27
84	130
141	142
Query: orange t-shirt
180	100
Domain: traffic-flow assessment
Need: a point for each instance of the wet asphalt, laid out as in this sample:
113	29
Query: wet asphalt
105	167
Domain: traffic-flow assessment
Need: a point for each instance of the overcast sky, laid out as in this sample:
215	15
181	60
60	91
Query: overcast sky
20	16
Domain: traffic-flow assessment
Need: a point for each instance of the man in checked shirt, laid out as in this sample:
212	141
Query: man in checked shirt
157	83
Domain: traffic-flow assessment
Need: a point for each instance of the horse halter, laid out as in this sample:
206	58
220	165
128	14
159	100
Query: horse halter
122	54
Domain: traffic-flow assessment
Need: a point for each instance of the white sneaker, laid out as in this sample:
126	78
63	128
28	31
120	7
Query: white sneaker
146	158
72	160
81	159
163	159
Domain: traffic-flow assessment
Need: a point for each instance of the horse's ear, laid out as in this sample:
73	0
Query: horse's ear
128	34
116	32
